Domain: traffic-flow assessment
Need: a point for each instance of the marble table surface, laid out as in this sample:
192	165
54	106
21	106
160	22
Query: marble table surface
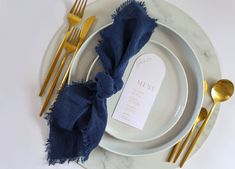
23	132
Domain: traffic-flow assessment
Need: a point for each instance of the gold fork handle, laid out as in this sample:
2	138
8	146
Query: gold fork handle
197	136
173	151
185	143
52	67
64	80
54	83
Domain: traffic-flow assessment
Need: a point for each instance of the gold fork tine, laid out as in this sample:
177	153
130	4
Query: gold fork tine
71	35
74	39
74	5
81	11
70	42
76	13
77	37
78	7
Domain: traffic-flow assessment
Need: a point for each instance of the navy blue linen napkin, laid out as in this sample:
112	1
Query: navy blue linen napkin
79	116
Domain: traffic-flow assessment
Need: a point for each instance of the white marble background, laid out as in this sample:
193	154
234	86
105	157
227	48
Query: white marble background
26	28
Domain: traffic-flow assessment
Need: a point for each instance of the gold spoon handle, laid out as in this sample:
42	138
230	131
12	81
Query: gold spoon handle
197	136
185	142
173	152
54	83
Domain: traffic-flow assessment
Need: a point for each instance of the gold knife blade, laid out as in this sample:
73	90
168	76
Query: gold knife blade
84	32
86	27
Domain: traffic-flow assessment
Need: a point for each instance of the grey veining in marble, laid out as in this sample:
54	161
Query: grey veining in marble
189	29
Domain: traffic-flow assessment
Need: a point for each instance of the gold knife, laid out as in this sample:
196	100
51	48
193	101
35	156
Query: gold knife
84	31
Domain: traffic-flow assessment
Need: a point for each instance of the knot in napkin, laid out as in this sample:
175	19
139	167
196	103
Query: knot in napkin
107	85
79	116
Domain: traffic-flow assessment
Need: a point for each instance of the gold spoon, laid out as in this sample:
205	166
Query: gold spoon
202	116
177	146
220	92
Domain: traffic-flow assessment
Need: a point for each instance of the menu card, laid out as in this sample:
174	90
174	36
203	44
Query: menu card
140	91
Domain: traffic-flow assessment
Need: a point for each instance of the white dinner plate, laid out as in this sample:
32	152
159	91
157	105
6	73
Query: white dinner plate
172	40
163	116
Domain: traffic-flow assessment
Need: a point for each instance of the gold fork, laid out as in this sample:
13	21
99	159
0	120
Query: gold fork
70	47
76	13
74	18
84	31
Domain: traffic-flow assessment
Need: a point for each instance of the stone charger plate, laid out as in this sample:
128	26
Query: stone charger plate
186	27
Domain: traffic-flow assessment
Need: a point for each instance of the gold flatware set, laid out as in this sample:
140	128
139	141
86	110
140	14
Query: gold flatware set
221	91
71	43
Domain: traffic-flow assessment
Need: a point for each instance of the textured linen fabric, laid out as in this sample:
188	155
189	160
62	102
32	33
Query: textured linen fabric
79	116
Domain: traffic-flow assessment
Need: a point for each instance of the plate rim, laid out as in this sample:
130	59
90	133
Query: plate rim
172	142
192	119
185	95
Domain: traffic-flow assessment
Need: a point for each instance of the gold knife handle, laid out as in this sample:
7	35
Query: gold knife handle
187	154
52	67
54	83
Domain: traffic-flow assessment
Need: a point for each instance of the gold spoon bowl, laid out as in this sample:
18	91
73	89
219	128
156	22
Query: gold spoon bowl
222	91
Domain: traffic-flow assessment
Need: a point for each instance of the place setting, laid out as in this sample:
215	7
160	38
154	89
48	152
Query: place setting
128	86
